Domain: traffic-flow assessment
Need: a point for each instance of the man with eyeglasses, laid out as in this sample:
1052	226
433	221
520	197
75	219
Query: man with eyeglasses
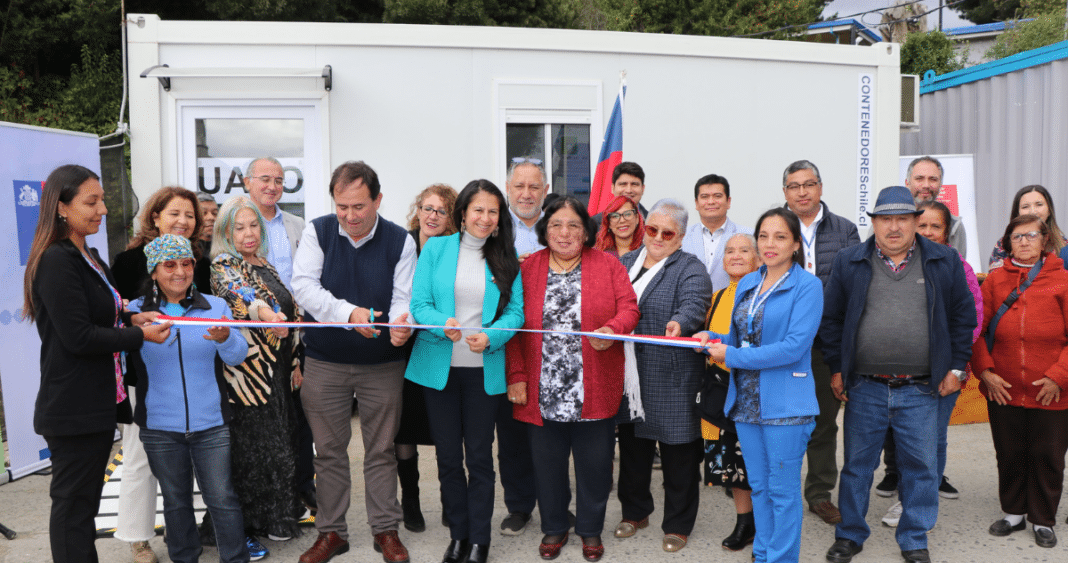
264	180
706	239
896	333
526	189
823	235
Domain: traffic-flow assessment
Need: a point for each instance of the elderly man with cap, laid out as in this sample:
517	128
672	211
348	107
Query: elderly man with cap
896	332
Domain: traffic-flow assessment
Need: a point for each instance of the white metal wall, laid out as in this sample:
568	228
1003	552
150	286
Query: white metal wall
1016	125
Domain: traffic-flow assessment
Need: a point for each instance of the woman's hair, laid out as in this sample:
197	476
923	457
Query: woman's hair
1025	219
222	240
939	207
605	240
792	223
447	194
1055	242
146	228
499	250
62	185
674	210
541	228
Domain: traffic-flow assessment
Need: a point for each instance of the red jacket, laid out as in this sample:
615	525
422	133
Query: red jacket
1031	340
607	300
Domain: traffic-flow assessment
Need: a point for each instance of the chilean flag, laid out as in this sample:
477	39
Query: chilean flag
611	155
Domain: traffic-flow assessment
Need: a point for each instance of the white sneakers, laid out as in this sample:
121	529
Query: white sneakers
893	516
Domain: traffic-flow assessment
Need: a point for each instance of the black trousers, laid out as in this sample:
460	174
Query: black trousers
1030	445
305	473
514	460
461	422
592	444
681	464
78	465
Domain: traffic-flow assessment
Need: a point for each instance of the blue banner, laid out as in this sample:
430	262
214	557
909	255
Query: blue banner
27	208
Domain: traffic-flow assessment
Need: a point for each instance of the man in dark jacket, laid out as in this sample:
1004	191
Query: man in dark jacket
896	331
823	234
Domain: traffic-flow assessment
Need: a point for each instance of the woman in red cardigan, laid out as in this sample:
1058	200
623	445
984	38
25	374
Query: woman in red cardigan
568	387
1022	361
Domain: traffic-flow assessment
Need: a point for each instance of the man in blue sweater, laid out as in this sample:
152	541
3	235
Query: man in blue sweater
354	267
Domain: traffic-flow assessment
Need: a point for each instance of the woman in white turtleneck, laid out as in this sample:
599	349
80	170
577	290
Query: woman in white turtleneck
470	279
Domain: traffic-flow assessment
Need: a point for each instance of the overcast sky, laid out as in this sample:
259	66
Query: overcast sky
950	18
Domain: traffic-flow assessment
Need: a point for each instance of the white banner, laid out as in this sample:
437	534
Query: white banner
30	154
958	193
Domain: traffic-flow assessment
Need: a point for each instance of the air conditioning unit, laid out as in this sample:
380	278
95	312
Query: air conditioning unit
910	101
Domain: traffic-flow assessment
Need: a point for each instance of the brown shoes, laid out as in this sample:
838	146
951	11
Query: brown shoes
628	528
327	546
827	511
674	542
391	548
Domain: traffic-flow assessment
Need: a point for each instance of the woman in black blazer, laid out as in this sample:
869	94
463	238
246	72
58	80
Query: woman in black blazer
84	330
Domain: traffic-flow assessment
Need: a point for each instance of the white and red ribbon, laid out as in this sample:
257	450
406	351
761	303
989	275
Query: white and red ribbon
678	342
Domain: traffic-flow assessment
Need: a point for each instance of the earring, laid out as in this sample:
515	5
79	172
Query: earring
155	291
62	218
495	231
461	228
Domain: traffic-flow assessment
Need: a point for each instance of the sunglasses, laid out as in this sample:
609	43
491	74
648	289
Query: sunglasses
651	232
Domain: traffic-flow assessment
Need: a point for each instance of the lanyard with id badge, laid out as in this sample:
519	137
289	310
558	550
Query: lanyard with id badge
755	303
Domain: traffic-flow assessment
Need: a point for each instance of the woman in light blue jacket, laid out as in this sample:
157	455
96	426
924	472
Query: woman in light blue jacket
182	406
772	397
462	373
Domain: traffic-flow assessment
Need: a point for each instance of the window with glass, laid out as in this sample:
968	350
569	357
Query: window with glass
563	148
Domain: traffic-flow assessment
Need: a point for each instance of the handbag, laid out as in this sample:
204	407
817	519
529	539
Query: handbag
712	390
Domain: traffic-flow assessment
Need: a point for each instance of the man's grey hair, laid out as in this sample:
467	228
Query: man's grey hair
526	161
798	166
204	196
251	165
932	160
674	210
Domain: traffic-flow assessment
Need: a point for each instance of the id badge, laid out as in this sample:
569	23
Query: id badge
745	344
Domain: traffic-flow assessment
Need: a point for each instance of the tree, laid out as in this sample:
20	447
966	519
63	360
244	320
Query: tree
923	51
712	17
1045	29
989	11
561	14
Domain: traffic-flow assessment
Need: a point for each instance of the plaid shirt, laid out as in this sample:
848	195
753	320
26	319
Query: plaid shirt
890	263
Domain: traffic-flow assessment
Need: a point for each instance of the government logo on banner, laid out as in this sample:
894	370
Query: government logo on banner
27	209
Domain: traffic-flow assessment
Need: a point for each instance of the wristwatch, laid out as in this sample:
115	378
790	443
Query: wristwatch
961	374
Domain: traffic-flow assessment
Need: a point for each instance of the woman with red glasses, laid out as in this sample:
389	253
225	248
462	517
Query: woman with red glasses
674	291
622	227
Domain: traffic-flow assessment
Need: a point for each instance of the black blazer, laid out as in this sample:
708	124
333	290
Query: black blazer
75	319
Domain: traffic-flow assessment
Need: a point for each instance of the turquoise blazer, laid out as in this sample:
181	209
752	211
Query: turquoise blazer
433	303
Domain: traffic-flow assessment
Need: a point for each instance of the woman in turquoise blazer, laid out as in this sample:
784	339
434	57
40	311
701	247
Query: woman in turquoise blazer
462	371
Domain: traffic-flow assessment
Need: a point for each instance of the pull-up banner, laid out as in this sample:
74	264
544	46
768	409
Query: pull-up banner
30	154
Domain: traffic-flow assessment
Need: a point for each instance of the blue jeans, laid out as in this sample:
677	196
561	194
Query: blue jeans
174	458
945	412
773	456
912	412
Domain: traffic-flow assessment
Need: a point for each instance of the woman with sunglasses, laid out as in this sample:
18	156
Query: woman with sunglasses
430	216
674	291
622	227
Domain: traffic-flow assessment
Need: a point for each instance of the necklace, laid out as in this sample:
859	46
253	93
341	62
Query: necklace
561	266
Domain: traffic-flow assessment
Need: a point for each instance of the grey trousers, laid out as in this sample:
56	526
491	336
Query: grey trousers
327	398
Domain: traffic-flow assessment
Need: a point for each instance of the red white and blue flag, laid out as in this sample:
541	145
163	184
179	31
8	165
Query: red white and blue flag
611	155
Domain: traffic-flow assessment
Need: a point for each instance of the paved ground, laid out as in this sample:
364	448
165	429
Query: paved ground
959	537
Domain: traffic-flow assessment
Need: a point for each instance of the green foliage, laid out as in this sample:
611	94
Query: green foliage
932	50
988	11
711	17
512	13
1045	29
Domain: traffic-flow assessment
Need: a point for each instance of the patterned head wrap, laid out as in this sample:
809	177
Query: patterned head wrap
167	247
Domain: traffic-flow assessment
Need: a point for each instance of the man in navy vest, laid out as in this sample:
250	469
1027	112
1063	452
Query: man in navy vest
354	266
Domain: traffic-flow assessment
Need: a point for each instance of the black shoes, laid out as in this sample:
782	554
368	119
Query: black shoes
945	490
916	556
478	553
456	552
515	523
842	551
743	534
408	473
888	486
1044	537
1002	528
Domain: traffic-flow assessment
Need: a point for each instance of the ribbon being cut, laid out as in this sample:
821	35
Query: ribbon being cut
678	342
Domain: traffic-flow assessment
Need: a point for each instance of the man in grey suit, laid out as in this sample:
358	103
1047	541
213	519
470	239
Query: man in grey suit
706	239
264	180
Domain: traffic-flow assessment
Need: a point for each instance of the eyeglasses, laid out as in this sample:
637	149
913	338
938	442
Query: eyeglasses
1032	235
651	232
809	185
277	180
431	210
172	265
627	215
522	159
